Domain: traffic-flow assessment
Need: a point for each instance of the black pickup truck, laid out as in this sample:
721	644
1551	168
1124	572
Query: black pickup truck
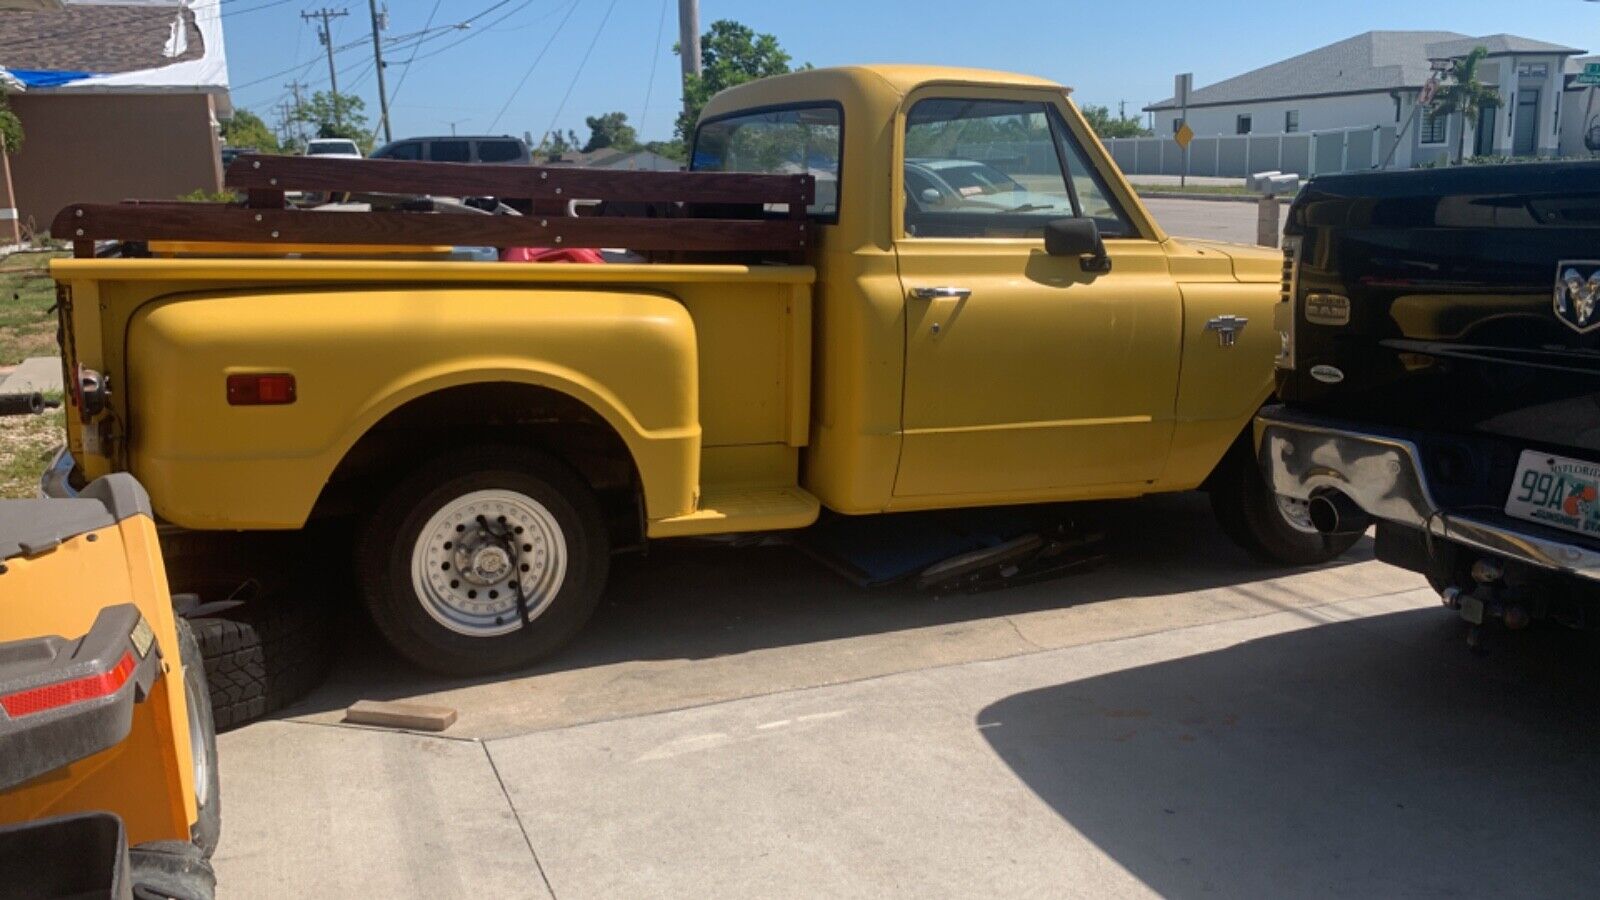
1440	374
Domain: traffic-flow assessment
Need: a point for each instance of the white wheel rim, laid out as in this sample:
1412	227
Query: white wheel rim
466	555
197	745
1297	513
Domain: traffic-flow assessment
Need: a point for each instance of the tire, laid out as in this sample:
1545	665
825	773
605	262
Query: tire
262	655
170	870
207	828
1249	514
435	617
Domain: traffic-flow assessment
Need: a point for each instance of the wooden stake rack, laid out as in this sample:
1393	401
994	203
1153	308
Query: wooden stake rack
658	211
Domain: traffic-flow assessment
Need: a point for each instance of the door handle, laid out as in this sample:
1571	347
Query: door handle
940	293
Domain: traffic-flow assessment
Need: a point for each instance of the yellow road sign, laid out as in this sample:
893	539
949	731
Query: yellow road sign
1184	136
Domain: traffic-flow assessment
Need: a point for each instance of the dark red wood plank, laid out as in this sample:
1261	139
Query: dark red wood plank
197	222
254	172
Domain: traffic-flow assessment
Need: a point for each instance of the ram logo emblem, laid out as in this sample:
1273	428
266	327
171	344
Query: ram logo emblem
1577	294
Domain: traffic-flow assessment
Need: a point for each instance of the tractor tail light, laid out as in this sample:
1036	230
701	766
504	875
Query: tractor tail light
65	693
261	389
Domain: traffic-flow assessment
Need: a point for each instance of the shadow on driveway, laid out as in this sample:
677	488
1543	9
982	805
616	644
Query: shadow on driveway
693	601
1375	758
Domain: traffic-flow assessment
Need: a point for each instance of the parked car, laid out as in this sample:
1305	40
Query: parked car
492	434
1440	372
503	149
335	147
229	154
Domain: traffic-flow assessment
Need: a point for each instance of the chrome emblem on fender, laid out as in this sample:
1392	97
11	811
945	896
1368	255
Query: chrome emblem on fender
1578	293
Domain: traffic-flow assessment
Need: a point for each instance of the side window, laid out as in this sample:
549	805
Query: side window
996	168
498	151
450	151
403	150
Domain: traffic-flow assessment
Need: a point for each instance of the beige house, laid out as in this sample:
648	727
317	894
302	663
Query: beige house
117	100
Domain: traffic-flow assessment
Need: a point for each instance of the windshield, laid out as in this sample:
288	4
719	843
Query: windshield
326	148
777	142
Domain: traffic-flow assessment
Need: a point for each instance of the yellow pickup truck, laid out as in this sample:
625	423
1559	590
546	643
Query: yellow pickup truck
968	306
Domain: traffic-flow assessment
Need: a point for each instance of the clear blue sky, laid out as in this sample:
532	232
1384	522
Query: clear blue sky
1108	51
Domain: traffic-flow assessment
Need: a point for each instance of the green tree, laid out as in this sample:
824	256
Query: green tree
1463	93
341	116
730	54
673	149
1107	126
10	127
610	130
554	143
246	129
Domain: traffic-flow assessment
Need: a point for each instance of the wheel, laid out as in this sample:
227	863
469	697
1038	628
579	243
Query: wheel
207	828
263	654
1271	528
442	558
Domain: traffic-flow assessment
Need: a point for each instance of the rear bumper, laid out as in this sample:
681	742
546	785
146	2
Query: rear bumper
1382	471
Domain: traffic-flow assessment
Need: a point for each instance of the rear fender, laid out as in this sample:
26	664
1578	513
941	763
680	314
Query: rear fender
359	354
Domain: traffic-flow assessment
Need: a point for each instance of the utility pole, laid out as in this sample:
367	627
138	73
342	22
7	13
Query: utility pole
689	41
299	122
325	34
1122	109
377	56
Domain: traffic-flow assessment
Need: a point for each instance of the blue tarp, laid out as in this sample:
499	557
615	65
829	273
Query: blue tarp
47	77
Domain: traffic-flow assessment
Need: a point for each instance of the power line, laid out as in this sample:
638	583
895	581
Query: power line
581	63
655	57
531	66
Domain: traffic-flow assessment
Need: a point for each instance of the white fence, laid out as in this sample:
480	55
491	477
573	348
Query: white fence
1305	154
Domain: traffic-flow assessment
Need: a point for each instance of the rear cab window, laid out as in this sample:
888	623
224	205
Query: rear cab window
788	140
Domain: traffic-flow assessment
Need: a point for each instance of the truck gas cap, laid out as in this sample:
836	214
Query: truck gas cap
1327	374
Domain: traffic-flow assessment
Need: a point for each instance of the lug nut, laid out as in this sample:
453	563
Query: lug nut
1517	617
1487	571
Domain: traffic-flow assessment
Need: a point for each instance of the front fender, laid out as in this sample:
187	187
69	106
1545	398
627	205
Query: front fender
358	354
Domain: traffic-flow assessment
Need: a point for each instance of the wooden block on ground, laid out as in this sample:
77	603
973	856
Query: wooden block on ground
390	714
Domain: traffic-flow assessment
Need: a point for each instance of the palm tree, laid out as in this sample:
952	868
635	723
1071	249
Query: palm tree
1463	93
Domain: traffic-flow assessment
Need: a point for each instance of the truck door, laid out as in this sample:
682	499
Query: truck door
1026	376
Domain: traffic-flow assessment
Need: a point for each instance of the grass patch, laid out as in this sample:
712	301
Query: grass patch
1228	190
27	298
26	445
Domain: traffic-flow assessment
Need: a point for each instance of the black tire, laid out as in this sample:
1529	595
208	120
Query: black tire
385	545
1248	513
207	830
263	655
170	870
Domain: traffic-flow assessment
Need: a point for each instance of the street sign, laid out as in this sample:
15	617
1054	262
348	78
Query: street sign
1590	74
1184	136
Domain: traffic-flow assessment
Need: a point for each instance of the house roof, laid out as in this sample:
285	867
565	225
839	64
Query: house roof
1370	62
1575	64
99	39
1497	45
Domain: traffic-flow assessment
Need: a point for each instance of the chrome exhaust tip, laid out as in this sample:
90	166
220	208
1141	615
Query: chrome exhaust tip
1334	513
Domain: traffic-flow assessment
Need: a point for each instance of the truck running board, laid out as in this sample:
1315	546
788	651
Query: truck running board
732	508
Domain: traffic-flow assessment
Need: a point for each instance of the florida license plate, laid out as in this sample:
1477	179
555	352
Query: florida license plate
1557	491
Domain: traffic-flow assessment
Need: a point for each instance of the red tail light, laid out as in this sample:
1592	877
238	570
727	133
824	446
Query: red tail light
269	389
66	693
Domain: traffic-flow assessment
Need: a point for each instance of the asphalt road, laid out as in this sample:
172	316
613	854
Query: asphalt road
1220	220
743	723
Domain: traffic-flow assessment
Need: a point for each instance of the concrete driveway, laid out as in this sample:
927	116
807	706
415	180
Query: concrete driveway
742	723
